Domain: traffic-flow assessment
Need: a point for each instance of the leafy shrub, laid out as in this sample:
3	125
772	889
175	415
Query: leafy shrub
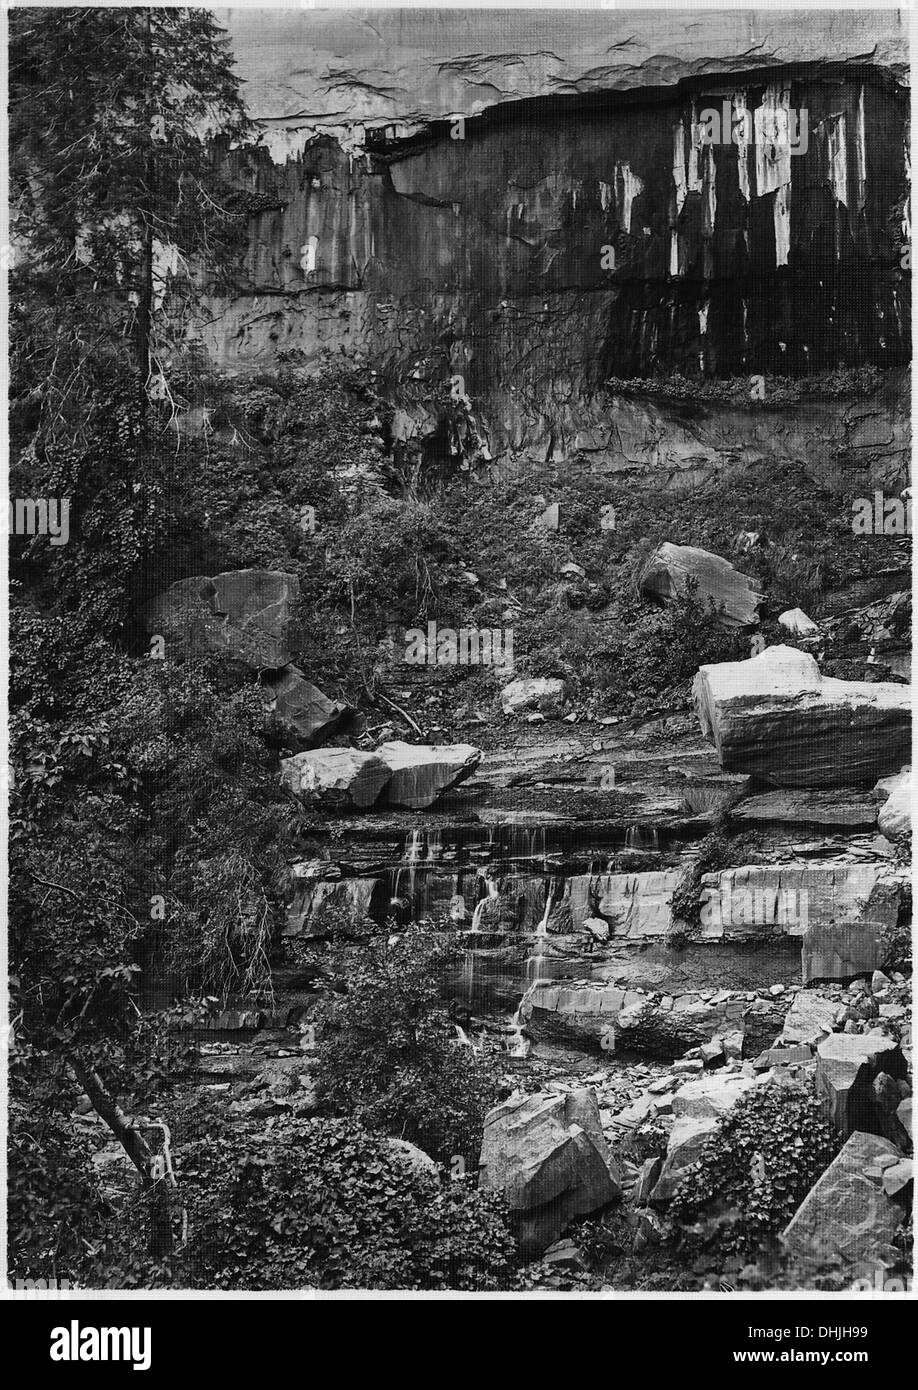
324	1204
755	1169
897	940
389	1055
55	1210
639	657
715	853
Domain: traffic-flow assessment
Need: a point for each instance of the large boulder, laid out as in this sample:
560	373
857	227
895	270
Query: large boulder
847	1066
667	1028
670	570
303	715
419	772
547	1155
687	1140
847	1224
336	777
777	717
541	694
244	614
610	1018
712	1096
574	1014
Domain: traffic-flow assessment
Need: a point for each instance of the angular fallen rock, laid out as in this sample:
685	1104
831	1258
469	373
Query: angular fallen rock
415	1159
794	620
303	714
777	717
712	1095
564	1254
419	773
846	1066
338	777
846	1219
687	1140
670	569
647	1180
904	1116
895	817
544	694
575	1014
809	1019
547	1155
897	1177
244	614
796	1055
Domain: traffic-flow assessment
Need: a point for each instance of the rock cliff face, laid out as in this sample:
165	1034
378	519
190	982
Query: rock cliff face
521	226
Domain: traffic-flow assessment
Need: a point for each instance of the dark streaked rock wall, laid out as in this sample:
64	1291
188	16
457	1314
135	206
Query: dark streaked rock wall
554	240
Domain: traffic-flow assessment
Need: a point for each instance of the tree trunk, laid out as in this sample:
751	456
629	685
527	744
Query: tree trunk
144	316
144	1158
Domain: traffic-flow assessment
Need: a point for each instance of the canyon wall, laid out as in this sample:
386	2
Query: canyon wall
520	226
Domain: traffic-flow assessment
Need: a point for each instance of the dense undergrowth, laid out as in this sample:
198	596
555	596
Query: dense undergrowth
149	835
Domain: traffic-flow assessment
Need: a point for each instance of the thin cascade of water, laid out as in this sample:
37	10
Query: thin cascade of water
468	975
638	837
535	964
414	846
517	1044
480	906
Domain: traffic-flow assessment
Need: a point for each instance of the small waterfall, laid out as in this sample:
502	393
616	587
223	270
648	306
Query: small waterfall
468	976
535	964
638	837
421	848
414	846
542	928
518	1045
463	1038
492	892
